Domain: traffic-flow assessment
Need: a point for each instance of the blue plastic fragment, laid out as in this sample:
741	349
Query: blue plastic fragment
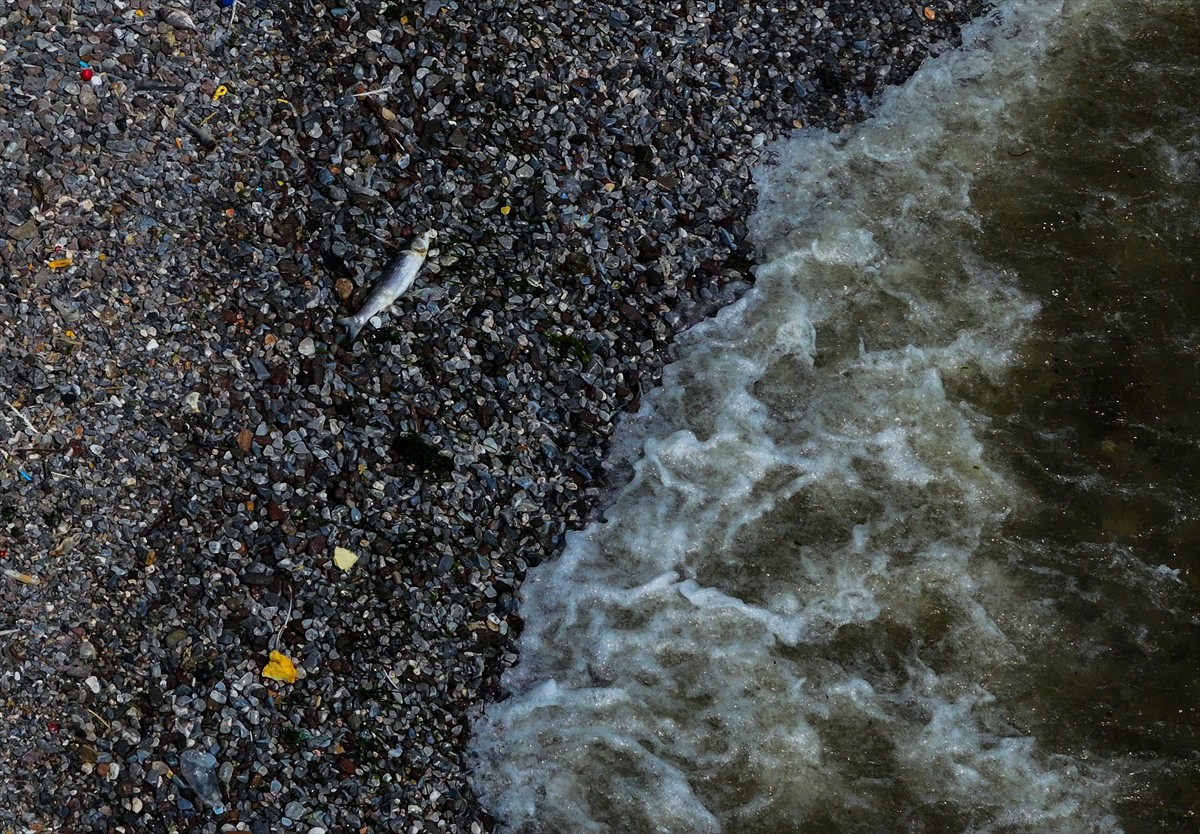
25	475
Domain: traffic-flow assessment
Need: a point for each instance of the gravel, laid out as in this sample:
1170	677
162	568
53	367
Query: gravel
185	436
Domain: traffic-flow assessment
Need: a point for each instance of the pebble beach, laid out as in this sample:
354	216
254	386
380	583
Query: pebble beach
202	479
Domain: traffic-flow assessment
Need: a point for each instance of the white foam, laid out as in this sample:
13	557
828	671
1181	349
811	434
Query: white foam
783	620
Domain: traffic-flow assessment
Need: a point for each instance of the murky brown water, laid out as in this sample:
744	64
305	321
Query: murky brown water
911	544
1098	213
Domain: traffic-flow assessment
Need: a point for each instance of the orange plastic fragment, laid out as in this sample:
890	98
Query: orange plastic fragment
930	14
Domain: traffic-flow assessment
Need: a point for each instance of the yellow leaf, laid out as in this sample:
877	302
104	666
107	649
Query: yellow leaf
344	558
280	668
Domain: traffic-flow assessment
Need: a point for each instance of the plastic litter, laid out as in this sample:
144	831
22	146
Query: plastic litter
200	772
28	579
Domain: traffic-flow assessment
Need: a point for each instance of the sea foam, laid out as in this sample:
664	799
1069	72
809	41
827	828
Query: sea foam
783	621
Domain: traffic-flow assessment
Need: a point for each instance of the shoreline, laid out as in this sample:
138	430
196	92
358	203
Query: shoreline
190	437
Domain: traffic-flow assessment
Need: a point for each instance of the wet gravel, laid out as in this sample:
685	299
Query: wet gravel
188	198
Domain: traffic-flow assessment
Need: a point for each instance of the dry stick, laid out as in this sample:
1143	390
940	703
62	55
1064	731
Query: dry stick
287	619
364	92
375	107
295	115
107	726
202	133
20	414
392	680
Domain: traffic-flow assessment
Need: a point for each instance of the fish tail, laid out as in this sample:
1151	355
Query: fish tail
353	325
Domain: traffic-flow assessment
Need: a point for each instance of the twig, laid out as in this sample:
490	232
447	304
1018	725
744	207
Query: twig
107	726
392	680
377	108
295	115
202	133
20	414
144	87
287	619
386	89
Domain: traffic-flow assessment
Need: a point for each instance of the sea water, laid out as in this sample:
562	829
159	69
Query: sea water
909	542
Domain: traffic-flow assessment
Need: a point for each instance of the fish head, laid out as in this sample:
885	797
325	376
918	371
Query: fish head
421	244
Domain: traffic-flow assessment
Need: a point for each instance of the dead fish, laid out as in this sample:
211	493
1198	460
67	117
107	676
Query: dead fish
177	18
395	280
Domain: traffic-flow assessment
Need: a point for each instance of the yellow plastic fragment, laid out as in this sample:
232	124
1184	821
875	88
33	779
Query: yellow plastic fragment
220	91
344	558
60	263
505	210
280	668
